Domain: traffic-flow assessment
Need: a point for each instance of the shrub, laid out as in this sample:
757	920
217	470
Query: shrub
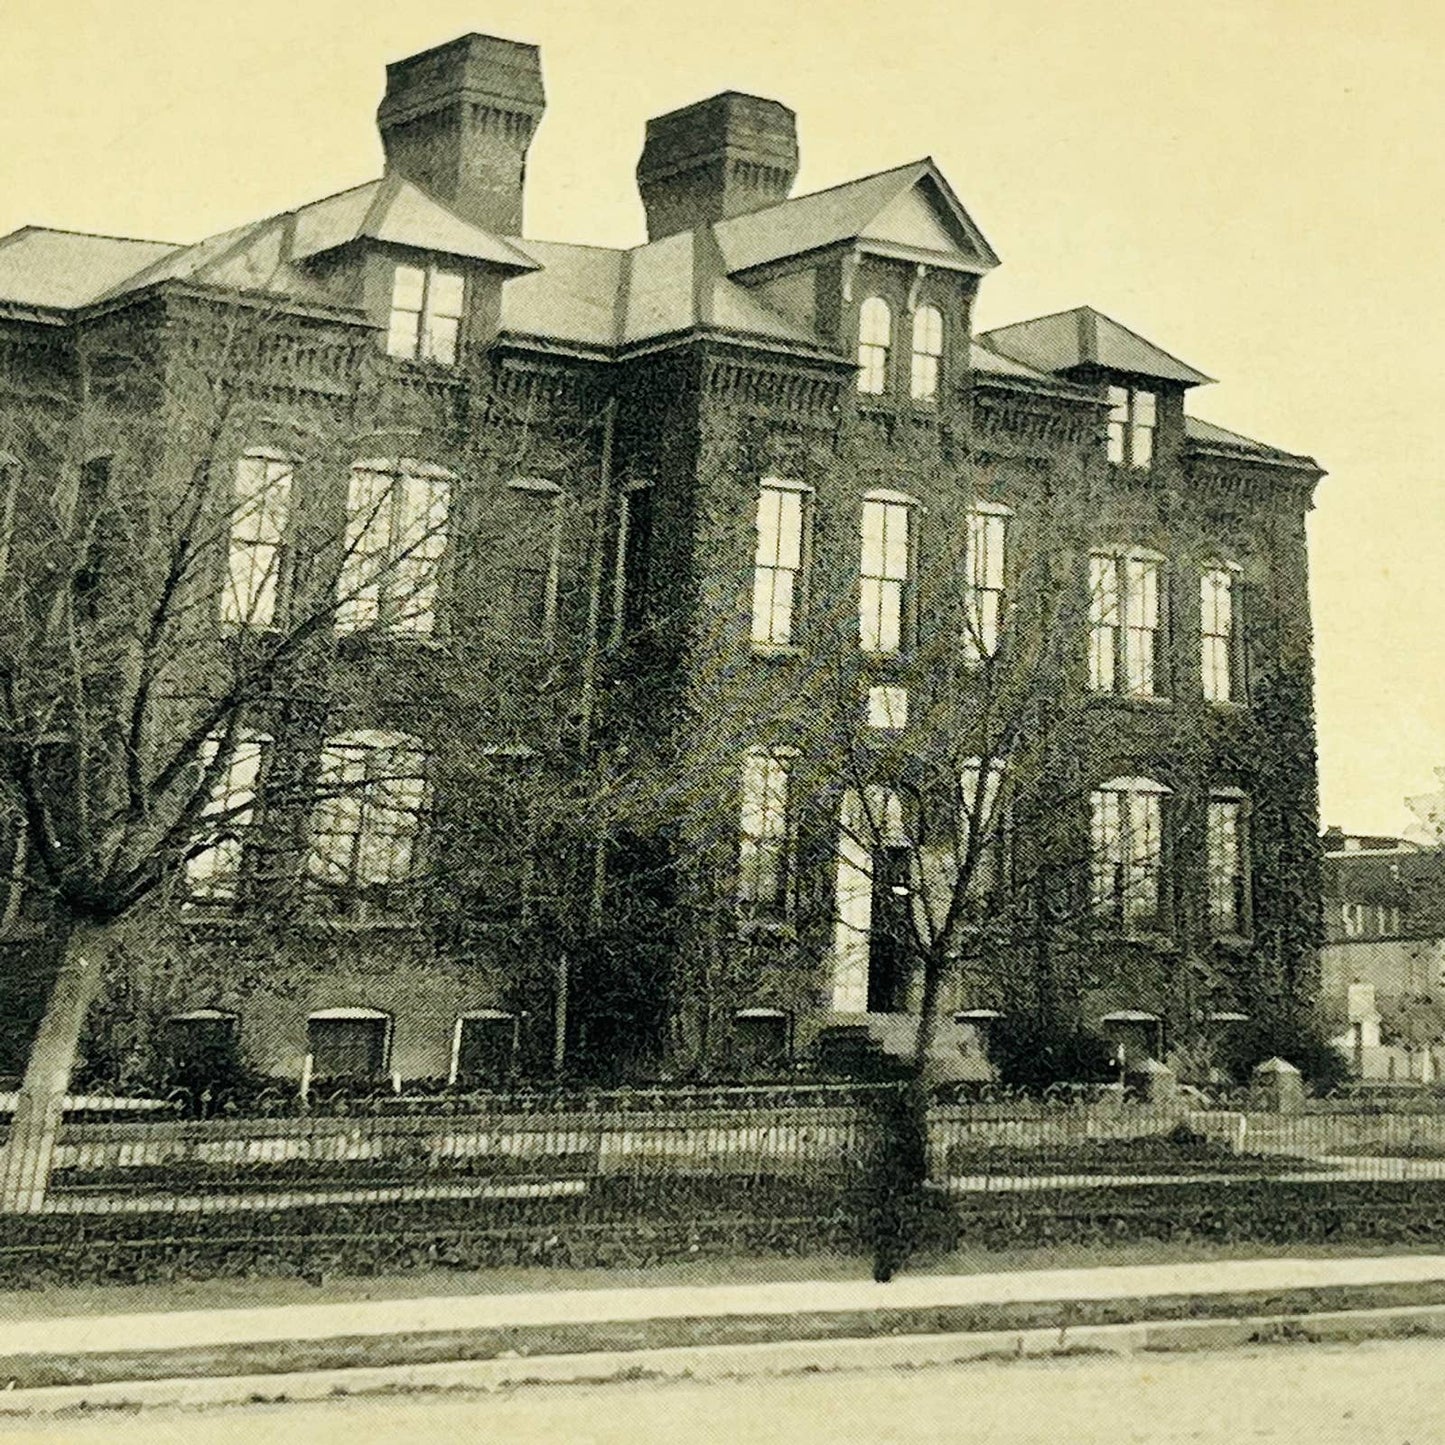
1033	1053
1298	1040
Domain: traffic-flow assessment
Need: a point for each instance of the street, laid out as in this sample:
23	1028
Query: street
1384	1393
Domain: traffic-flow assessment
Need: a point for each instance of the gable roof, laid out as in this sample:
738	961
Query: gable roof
878	211
1085	337
60	270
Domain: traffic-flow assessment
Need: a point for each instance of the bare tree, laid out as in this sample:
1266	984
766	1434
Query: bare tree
186	542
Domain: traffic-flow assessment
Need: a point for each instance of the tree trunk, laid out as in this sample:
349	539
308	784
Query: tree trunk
27	1159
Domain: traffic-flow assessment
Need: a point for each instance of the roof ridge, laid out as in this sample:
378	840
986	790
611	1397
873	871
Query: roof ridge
1179	360
92	236
839	186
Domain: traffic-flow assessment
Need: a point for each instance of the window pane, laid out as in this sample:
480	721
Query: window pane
928	331
441	339
407	288
923	382
445	297
403	334
1144	414
875	322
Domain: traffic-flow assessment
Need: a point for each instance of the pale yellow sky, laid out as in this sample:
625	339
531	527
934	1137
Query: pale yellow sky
1257	185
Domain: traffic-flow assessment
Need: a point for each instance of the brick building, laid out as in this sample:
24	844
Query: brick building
701	551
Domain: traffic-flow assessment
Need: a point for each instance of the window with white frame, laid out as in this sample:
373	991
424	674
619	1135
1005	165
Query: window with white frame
875	338
371	790
1217	621
888	707
927	353
983	579
886	573
766	833
1125	619
213	874
260	516
982	821
1133	417
396	535
1352	915
426	314
1228	873
1128	851
778	562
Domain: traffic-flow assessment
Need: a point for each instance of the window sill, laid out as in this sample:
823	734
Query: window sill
775	651
1145	702
1157	940
1227	705
347	927
778	929
1234	942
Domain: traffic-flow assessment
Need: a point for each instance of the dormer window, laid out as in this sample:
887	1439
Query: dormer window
927	353
1132	419
875	336
426	314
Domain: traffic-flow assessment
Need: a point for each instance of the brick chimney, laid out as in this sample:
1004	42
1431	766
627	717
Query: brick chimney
458	120
717	158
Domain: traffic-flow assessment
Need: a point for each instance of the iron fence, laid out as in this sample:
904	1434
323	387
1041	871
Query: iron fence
365	1180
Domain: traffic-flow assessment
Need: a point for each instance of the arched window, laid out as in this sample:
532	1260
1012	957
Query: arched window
1128	851
875	336
927	353
1219	632
371	789
396	533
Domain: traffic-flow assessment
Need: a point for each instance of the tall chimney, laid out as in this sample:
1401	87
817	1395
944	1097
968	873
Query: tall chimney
458	121
716	158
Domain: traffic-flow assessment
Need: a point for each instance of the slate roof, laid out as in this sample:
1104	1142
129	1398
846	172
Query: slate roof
1209	437
65	269
577	296
1085	337
856	210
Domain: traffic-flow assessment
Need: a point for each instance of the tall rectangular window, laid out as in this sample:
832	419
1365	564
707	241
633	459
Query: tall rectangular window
526	589
1216	633
982	822
1124	623
1227	874
984	579
631	582
778	563
1127	828
426	314
875	337
371	788
886	574
1133	417
766	831
396	534
213	875
927	353
259	518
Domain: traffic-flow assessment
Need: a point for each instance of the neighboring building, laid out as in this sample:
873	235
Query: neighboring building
657	486
1382	966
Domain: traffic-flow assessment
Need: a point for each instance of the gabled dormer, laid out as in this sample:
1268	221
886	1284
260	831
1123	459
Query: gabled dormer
1143	383
885	268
